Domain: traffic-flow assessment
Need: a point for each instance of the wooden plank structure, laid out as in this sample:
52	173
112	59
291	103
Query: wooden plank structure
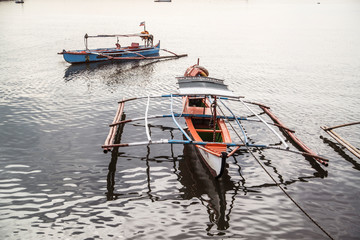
339	139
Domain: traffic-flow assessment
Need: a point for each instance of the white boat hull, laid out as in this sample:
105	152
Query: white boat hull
213	162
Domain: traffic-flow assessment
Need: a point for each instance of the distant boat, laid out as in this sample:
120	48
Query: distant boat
132	52
162	1
135	51
19	1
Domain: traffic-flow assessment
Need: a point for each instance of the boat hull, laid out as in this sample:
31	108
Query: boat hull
214	163
214	152
99	55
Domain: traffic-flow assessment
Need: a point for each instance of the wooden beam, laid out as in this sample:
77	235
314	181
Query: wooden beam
339	126
342	141
297	141
112	132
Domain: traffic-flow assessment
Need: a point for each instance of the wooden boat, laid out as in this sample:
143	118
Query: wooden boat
206	121
206	128
135	51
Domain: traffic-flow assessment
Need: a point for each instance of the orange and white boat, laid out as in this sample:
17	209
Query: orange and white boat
203	110
202	121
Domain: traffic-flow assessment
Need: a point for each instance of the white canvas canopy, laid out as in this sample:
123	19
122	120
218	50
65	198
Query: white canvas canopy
204	86
119	35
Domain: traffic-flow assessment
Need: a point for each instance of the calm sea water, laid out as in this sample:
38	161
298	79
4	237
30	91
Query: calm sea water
300	57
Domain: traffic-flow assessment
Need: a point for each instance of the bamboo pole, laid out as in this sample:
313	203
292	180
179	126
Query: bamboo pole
176	123
233	151
148	58
339	126
141	56
342	141
112	132
146	120
173	141
170	52
237	121
258	104
261	119
297	141
137	98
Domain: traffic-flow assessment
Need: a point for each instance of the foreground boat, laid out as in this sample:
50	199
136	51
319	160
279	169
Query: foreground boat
203	109
135	51
202	122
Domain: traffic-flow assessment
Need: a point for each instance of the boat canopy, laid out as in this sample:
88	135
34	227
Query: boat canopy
204	86
119	35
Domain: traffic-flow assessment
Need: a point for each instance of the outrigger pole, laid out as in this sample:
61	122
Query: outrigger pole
343	142
306	151
262	120
140	56
146	120
176	123
113	127
300	144
112	133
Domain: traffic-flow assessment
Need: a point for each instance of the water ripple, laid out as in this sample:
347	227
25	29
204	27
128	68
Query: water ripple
56	183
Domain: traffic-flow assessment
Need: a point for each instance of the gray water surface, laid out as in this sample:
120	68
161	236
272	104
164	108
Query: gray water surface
301	58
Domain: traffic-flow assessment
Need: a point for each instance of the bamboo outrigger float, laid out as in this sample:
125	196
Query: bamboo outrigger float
339	139
203	109
147	51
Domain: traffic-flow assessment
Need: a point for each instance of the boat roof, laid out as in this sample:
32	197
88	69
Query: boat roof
119	35
204	86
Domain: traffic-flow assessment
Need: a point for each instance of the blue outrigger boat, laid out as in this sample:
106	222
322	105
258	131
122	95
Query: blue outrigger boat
119	53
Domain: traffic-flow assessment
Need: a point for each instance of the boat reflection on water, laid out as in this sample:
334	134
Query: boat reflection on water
75	71
216	194
112	165
196	181
341	151
199	183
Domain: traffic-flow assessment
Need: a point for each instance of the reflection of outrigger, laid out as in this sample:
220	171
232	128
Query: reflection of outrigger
203	109
147	51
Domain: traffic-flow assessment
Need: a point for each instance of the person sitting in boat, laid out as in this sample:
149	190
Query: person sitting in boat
145	32
148	39
118	46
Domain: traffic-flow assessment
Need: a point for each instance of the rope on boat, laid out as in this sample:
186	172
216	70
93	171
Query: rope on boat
237	121
277	184
177	124
297	152
281	139
288	195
